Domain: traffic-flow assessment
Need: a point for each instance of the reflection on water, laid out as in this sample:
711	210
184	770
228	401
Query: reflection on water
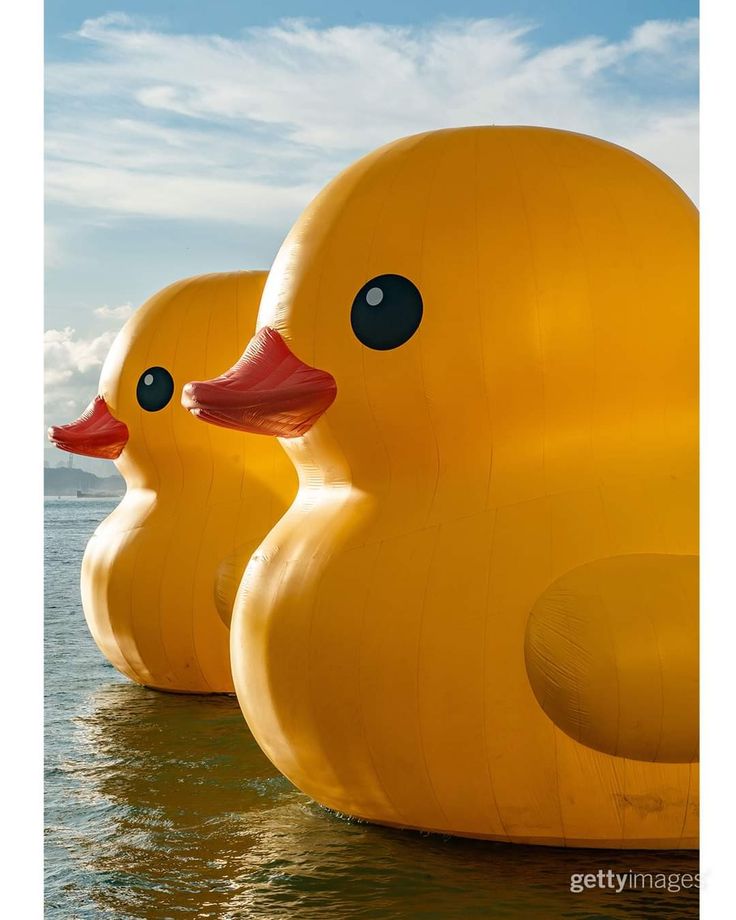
162	806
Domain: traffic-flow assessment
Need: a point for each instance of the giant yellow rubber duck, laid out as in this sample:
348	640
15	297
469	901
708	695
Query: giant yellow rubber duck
160	573
479	616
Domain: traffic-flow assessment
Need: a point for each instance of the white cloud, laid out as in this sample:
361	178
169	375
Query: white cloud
72	363
67	355
118	313
170	125
171	195
71	371
664	36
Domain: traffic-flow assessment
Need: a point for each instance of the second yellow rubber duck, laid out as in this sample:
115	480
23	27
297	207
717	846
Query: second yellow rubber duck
160	573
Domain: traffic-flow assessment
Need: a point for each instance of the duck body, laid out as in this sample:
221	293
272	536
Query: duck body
393	640
386	675
154	583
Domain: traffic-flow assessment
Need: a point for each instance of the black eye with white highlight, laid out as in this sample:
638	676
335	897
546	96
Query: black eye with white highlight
386	312
155	389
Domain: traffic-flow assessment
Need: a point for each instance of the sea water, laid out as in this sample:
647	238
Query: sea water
161	806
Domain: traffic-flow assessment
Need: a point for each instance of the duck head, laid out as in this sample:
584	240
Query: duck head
457	299
134	418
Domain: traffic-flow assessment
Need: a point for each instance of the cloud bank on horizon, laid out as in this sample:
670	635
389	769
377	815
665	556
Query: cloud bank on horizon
146	123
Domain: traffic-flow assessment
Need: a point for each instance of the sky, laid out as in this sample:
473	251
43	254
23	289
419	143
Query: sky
186	137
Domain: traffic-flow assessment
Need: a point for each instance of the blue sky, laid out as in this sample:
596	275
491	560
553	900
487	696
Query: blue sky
186	137
559	19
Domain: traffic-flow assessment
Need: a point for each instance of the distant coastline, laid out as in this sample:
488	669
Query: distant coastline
70	481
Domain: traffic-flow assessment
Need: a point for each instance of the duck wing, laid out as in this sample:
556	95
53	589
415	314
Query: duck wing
611	652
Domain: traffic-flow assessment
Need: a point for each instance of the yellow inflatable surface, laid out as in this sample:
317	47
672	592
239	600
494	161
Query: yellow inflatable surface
479	616
160	573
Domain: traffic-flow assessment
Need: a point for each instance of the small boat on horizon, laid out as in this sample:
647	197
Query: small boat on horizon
101	494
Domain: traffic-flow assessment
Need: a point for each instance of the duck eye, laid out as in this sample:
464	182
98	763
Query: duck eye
155	389
386	312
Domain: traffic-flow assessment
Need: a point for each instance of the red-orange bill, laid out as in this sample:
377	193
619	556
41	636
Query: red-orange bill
96	433
269	391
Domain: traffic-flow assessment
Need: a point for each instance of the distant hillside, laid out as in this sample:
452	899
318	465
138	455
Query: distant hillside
61	480
54	457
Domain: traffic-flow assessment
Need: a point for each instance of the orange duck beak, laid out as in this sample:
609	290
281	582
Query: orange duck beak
269	391
96	433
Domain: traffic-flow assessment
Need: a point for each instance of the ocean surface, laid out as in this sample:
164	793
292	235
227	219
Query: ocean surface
161	806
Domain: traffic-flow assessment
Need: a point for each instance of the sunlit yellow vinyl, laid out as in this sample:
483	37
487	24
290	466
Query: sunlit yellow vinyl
542	418
198	499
